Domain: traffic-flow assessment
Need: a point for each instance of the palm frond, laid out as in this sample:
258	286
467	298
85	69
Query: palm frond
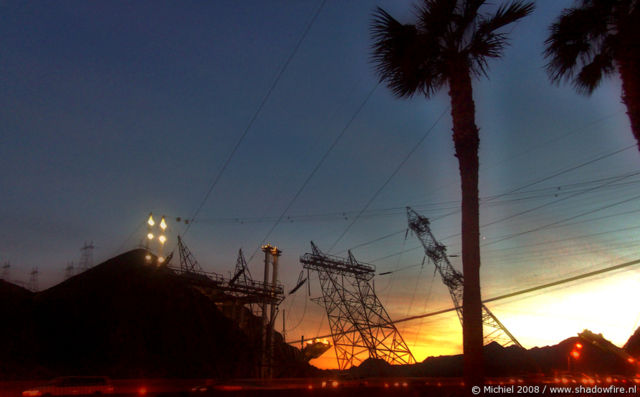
435	16
470	11
591	74
485	46
573	41
407	61
486	42
505	15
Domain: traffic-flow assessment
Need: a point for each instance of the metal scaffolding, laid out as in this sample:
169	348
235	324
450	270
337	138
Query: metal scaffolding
238	291
494	330
359	323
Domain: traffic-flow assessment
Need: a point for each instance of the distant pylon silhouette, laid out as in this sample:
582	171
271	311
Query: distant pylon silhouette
5	271
69	271
33	280
86	257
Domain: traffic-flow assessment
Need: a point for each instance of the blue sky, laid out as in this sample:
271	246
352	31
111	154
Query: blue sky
112	110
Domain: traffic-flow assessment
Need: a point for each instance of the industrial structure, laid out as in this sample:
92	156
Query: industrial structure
360	326
494	330
239	294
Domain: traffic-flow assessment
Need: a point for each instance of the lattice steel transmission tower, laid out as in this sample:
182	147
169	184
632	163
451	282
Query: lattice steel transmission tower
188	263
359	323
494	330
241	272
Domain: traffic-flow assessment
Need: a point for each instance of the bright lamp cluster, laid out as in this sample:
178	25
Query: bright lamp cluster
161	238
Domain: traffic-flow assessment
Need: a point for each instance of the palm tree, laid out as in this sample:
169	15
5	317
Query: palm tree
450	43
594	40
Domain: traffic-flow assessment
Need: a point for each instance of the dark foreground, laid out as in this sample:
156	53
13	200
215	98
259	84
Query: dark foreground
563	385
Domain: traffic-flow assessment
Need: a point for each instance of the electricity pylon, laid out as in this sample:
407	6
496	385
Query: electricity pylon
33	280
454	280
359	323
86	257
188	263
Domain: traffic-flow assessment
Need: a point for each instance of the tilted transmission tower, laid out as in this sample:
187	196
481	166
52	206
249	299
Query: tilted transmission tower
454	280
359	323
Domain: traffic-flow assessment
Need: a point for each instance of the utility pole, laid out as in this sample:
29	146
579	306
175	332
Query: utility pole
269	308
284	330
275	254
265	303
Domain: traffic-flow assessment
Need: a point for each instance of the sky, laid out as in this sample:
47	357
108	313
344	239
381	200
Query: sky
112	110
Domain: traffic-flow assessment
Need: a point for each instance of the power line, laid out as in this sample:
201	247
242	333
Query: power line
512	235
561	221
546	204
573	168
255	116
530	149
317	167
531	245
512	294
404	160
342	215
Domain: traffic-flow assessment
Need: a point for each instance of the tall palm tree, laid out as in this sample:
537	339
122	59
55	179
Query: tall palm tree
450	43
596	39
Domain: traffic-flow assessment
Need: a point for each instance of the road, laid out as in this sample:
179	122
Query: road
371	387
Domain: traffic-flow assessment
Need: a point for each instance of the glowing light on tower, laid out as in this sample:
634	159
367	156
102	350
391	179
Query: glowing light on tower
162	238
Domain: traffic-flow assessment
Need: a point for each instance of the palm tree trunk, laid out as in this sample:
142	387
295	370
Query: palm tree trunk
628	67
466	140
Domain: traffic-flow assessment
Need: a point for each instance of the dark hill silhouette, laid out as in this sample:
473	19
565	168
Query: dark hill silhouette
126	318
633	344
15	332
510	361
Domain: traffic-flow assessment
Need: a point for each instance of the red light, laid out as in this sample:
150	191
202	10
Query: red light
575	354
631	360
230	387
142	391
31	393
578	345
